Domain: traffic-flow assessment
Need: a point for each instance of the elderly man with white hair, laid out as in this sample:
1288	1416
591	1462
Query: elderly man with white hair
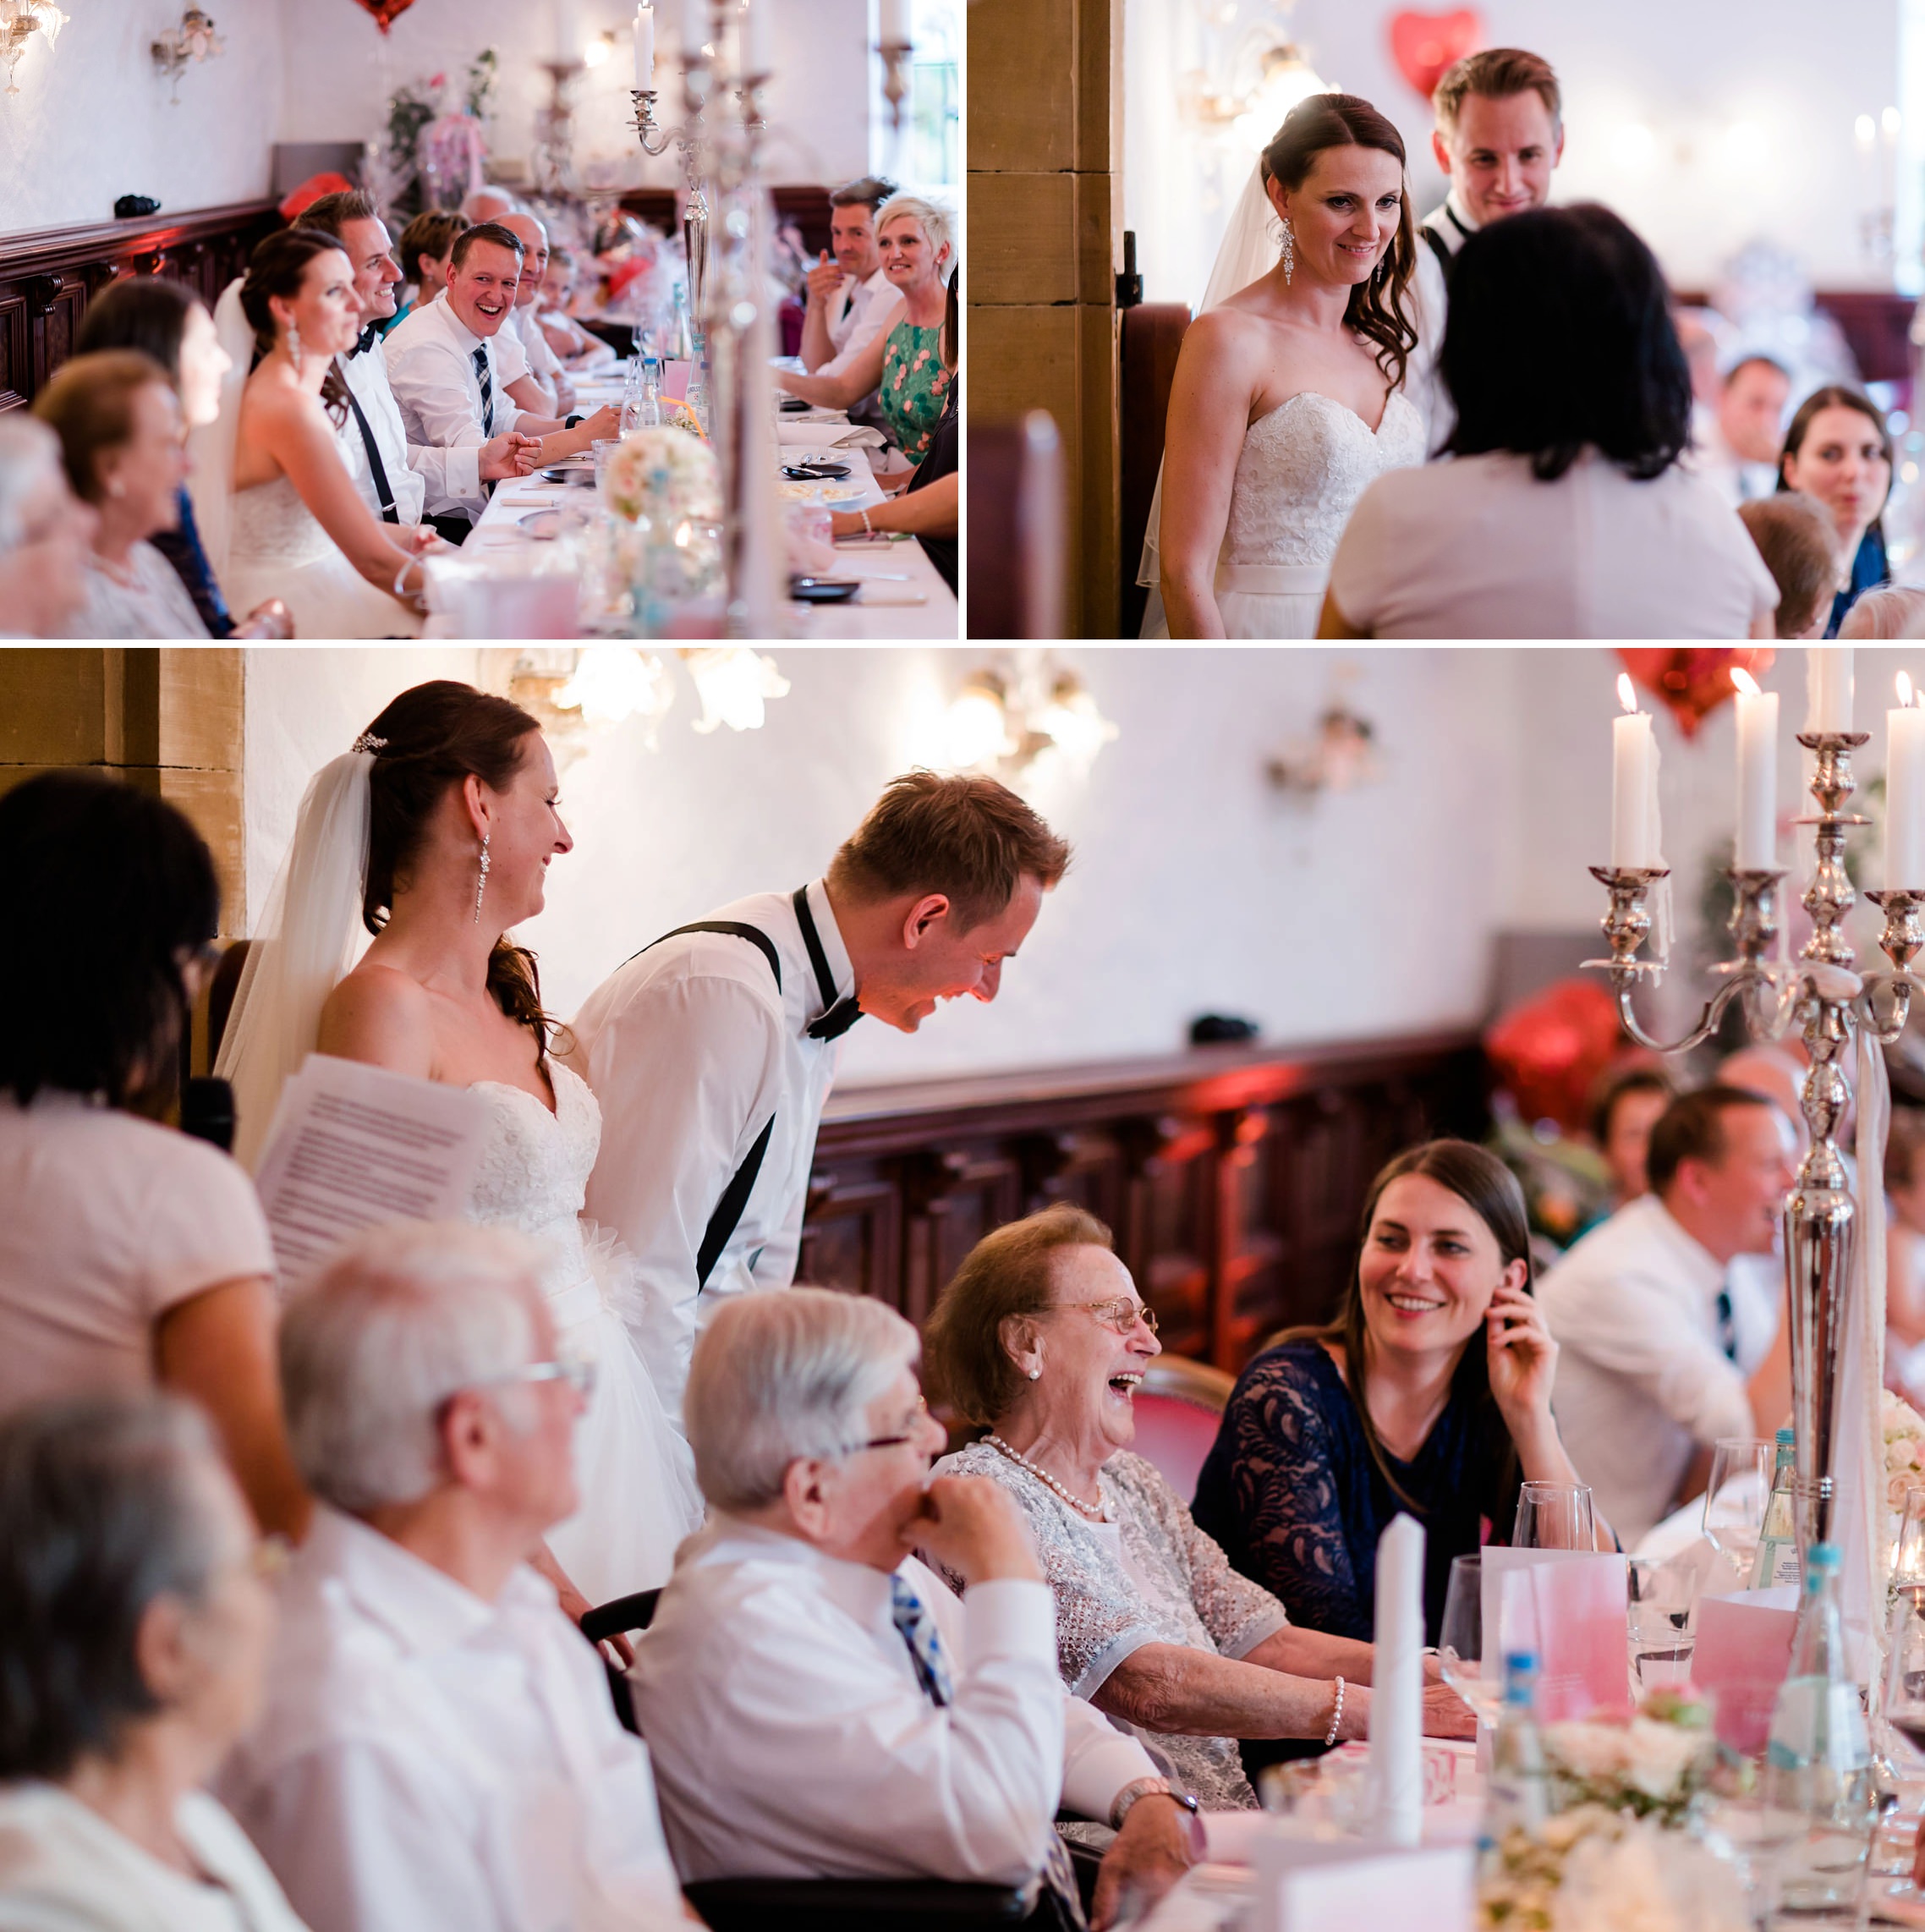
440	1752
817	1702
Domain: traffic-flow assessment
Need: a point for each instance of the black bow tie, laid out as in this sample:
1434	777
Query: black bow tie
370	335
837	1021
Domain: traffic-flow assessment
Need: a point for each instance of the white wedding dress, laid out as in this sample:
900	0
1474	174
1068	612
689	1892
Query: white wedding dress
276	549
1301	468
636	1475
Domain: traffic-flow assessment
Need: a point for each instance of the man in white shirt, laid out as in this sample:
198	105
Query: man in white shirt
712	1051
1667	1344
555	393
451	382
851	301
1500	132
815	1701
394	477
439	1751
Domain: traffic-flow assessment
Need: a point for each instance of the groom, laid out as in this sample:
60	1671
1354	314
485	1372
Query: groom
1500	133
713	1050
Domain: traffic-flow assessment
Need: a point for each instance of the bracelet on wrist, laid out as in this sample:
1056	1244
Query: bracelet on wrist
1336	1716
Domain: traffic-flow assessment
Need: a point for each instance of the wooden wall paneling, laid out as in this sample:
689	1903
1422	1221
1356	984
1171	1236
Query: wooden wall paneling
853	1233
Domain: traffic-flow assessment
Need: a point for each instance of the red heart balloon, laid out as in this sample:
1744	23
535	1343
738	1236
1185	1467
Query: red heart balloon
1692	683
386	12
1425	44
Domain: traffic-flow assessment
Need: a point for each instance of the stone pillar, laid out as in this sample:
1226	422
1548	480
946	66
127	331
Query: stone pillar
1045	223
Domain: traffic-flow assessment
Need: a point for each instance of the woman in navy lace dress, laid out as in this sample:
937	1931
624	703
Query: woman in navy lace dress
1430	1392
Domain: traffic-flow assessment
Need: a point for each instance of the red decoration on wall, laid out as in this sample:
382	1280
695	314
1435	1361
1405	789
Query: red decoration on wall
386	12
1550	1050
1692	683
1424	44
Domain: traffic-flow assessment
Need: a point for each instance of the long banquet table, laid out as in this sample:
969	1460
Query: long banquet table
903	595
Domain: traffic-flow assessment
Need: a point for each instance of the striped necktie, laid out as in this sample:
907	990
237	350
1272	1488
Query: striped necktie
1727	1327
487	383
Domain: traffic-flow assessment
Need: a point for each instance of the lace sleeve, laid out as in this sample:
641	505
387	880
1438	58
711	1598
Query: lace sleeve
1284	1495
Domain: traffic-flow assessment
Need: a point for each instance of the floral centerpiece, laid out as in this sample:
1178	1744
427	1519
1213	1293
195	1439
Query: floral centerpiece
665	474
1902	1433
1651	1767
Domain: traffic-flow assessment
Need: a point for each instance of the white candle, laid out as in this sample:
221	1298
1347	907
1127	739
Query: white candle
567	31
1396	1687
1634	787
1905	794
895	23
1757	775
757	24
644	50
1828	688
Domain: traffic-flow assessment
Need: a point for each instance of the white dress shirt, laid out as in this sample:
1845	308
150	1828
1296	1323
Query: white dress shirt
791	1736
1643	1378
543	364
415	473
858	313
691	1051
429	1762
64	1868
430	368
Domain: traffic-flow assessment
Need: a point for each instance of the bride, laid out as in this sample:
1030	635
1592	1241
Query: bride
435	834
1289	395
278	507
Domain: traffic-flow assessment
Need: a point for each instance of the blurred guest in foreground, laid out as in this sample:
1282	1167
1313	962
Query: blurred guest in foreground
130	1255
817	1701
46	532
1794	536
1430	1393
1573	406
1042	1336
438	1752
1838	450
135	1627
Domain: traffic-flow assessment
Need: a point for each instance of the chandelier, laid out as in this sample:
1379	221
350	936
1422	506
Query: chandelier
19	20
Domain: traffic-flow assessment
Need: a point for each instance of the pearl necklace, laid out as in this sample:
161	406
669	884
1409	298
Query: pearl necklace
1093	1510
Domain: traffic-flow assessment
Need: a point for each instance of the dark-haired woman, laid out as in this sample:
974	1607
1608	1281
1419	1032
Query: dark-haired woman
1430	1392
1289	395
299	529
166	320
1565	514
131	1257
1838	450
435	835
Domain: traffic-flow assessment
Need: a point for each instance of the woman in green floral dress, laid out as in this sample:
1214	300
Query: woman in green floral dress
905	361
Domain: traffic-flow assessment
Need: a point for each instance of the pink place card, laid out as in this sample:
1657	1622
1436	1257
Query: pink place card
1306	1883
675	381
1742	1652
1568	1608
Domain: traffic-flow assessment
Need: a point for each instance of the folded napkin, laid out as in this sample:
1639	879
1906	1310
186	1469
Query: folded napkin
872	593
800	432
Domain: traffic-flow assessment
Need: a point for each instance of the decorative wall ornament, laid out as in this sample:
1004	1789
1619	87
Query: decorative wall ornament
178	48
386	12
19	21
1423	45
1004	721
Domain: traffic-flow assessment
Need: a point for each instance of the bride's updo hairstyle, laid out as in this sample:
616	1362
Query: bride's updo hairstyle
279	267
438	734
1376	311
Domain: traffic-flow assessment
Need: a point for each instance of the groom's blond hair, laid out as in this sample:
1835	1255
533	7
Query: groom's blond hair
1494	73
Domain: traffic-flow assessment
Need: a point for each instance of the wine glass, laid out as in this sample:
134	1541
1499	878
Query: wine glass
1554	1516
1662	1617
1460	1641
1908	1558
1735	1499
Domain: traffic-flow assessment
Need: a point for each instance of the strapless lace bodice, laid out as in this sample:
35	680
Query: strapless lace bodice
271	524
534	1169
1302	468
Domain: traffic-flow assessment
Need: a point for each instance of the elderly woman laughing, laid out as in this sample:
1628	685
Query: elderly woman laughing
1042	1336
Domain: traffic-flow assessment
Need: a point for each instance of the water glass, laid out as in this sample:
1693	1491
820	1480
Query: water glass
1555	1515
1736	1497
1460	1641
1661	1619
1908	1559
604	447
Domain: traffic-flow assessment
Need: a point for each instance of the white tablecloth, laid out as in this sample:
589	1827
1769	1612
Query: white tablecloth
904	596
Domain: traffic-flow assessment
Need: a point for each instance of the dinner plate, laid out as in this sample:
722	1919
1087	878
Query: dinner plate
570	473
794	406
823	590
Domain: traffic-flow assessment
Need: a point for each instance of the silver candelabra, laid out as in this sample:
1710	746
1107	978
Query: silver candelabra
1819	993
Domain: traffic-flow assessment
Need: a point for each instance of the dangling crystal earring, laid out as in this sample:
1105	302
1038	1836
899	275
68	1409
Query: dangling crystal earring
295	345
481	883
1289	252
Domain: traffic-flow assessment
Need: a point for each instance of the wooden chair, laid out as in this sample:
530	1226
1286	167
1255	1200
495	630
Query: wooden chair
1153	334
1017	511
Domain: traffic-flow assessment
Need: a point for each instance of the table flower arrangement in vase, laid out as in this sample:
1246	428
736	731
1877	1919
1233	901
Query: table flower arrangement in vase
663	489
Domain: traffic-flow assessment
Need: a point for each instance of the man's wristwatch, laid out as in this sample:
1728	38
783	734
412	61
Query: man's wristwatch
1153	1787
570	422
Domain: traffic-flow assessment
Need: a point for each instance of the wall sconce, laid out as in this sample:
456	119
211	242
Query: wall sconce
1340	758
1003	723
895	43
733	684
19	20
612	682
193	40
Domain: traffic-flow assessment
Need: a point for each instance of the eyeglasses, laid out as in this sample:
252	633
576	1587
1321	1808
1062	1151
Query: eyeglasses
578	1371
1122	1314
920	1413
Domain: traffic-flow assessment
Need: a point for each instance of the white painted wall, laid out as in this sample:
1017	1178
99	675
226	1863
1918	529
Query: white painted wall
1196	887
93	121
340	71
1688	73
